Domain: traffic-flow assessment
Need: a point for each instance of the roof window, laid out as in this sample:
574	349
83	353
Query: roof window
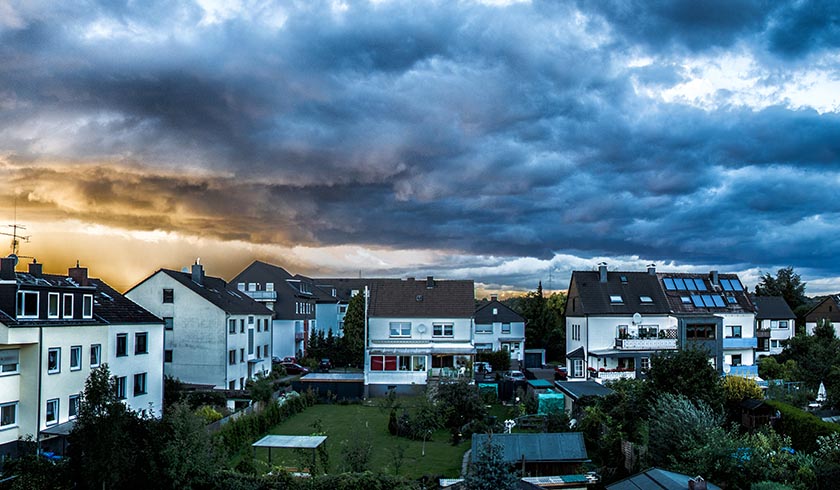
616	299
645	299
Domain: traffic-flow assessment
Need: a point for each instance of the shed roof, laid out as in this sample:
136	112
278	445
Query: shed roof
543	447
579	389
656	479
292	442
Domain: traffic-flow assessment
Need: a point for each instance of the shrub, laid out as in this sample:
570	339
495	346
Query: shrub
802	427
208	414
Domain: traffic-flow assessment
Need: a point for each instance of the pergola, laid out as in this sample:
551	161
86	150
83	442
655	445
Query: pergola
289	442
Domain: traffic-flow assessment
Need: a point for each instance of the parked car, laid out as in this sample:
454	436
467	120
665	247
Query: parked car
294	368
515	376
289	359
561	373
325	365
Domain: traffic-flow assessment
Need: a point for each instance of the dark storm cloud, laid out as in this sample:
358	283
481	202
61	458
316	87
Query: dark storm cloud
511	131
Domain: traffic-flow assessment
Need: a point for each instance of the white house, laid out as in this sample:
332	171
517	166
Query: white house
53	330
213	335
497	327
775	324
417	330
615	321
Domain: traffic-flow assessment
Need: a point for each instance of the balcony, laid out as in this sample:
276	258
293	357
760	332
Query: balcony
740	343
612	375
645	344
762	333
262	295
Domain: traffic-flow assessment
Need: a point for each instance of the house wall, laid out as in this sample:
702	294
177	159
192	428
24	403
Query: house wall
777	334
827	309
150	363
329	316
379	329
283	338
495	337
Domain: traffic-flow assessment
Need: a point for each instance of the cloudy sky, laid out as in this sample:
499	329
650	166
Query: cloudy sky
509	142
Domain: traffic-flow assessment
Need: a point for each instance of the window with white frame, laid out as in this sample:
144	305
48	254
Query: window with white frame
139	384
252	286
73	406
8	414
67	306
645	363
52	411
53	305
443	329
577	368
95	355
775	344
397	363
783	324
240	286
119	387
505	327
27	304
75	357
400	329
484	328
733	331
615	299
54	360
9	361
269	286
87	306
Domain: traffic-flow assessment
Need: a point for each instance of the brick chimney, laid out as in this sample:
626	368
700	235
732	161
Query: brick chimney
36	269
651	268
198	273
494	297
78	274
602	272
430	282
713	276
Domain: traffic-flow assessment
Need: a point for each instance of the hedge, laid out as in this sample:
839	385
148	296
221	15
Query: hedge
802	427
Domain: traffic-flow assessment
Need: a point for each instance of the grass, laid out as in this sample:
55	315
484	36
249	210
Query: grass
343	424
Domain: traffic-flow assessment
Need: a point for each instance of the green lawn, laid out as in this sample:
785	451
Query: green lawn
345	423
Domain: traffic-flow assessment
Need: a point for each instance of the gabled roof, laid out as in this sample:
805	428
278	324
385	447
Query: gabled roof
344	287
656	479
484	314
579	389
534	448
834	315
422	299
262	273
114	308
215	290
771	308
594	295
741	304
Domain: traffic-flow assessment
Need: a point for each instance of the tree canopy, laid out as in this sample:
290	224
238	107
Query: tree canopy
786	284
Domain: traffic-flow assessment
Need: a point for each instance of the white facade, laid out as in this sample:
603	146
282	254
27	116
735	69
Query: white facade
330	316
780	331
283	333
141	368
509	336
206	344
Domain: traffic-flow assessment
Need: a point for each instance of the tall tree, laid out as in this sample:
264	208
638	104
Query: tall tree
786	284
353	341
686	372
541	322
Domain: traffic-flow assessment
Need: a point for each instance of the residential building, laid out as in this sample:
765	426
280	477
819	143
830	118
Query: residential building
827	309
498	327
54	330
418	330
615	321
214	335
291	299
775	324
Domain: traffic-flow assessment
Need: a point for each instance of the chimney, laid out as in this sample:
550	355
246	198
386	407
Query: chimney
36	269
602	271
7	269
430	282
78	274
198	273
494	297
651	269
713	276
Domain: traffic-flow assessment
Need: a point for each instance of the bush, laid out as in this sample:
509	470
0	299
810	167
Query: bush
208	414
802	427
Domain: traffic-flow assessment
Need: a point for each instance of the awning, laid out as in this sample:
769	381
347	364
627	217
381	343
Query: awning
576	354
254	361
60	429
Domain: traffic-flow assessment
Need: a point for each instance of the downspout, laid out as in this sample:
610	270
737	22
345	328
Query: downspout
40	374
227	349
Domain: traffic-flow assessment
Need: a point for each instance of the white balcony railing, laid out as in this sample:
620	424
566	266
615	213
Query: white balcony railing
645	344
601	376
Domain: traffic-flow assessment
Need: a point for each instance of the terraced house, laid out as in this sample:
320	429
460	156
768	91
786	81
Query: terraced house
615	321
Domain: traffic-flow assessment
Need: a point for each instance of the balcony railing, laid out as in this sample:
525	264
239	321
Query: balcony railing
602	376
740	343
762	333
262	295
645	344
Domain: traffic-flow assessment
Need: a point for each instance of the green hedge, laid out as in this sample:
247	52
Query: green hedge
802	427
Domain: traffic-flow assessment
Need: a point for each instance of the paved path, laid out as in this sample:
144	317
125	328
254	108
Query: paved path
465	463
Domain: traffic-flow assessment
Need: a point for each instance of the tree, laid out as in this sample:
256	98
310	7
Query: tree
786	284
542	324
824	330
353	342
460	404
678	426
686	372
490	471
188	458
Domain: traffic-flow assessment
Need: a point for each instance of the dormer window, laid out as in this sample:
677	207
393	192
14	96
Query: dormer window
495	311
269	286
52	305
616	299
67	306
27	304
87	306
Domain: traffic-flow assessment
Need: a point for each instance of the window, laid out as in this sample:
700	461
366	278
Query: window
736	360
141	343
241	325
52	305
67	306
232	357
775	344
242	355
87	306
27	304
486	328
575	332
54	360
8	414
680	284
734	331
783	324
250	341
252	286
167	355
259	324
95	354
616	299
669	284
75	357
484	347
731	300
265	350
269	286
9	361
645	363
505	327
397	363
297	308
342	308
73	406
52	411
240	286
645	299
400	329
685	299
232	385
140	384
577	368
250	320
168	296
119	387
168	323
122	345
231	326
442	330
700	332
418	363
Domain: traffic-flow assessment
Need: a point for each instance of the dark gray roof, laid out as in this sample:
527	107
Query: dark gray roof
215	290
262	273
594	296
415	299
656	479
344	287
578	353
542	447
579	389
484	314
742	304
771	308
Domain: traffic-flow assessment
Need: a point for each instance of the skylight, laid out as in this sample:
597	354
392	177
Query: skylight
616	299
679	283
685	299
669	284
701	286
732	300
645	299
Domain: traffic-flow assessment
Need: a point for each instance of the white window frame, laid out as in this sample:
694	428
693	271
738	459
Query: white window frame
57	311
400	328
87	306
67	307
440	330
11	353
577	368
13	422
73	404
22	302
269	286
57	368
506	327
784	324
119	387
481	328
55	403
97	348
644	363
78	350
616	299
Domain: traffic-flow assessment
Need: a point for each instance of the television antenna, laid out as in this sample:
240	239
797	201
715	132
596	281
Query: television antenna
16	237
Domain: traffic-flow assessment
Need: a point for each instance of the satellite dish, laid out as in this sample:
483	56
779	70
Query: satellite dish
421	328
637	318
